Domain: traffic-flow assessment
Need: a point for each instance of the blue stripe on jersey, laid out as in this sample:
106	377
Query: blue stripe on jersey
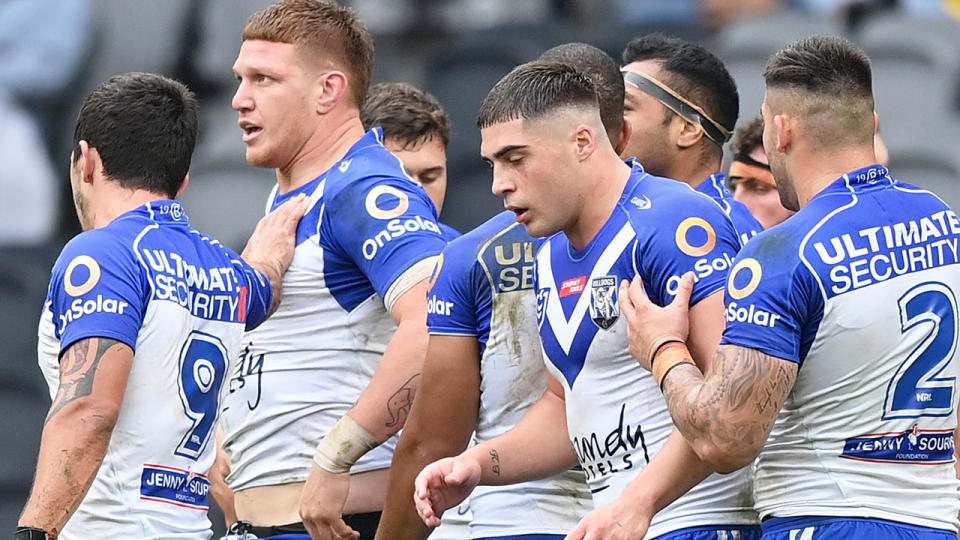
715	188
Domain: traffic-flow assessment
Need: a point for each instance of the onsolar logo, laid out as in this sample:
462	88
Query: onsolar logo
94	275
374	209
756	272
684	244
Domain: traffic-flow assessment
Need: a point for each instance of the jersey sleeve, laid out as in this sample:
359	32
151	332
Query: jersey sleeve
255	290
384	225
692	234
773	302
97	289
455	285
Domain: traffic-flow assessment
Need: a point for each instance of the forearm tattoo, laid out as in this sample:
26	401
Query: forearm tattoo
737	405
398	406
78	369
495	462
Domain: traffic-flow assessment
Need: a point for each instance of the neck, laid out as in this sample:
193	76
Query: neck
116	201
326	147
813	173
602	190
693	170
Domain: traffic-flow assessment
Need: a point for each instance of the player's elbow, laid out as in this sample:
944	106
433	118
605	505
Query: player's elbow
89	416
727	457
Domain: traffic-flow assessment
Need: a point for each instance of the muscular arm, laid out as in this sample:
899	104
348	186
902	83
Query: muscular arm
93	378
727	414
449	397
383	407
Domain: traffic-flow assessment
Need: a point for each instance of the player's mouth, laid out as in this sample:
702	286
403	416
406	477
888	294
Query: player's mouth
250	130
522	213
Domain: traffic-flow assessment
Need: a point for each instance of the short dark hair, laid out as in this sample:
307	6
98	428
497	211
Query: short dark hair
324	29
748	137
606	77
144	127
406	114
535	89
833	76
692	71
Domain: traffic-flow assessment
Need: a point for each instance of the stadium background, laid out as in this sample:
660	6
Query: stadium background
456	50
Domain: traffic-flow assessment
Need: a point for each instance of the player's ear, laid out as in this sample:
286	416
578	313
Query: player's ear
183	186
88	162
333	87
783	125
586	141
690	132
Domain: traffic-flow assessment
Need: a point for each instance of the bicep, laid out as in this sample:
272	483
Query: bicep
706	327
94	367
411	306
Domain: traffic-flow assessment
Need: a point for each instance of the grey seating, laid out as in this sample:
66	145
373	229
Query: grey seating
746	45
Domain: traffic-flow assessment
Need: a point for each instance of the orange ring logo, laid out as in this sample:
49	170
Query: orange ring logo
90	283
689	249
756	272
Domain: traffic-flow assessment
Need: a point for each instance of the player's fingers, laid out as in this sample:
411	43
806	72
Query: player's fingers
342	531
684	291
297	209
578	531
637	294
626	303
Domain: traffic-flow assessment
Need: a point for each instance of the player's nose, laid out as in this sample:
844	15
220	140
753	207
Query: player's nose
242	100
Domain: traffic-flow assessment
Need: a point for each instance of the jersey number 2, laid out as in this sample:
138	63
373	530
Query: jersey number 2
203	365
917	389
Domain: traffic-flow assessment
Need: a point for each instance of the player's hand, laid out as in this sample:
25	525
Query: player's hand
275	237
648	325
219	489
321	505
444	484
616	521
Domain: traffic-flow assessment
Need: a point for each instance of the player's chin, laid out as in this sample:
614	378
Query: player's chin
258	158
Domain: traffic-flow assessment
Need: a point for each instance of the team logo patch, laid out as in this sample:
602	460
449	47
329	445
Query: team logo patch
92	270
696	237
399	205
604	307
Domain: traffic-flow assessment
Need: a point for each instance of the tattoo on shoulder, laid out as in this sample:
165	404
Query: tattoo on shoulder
78	369
400	403
495	462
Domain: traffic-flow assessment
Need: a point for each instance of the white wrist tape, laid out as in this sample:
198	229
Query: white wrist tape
347	442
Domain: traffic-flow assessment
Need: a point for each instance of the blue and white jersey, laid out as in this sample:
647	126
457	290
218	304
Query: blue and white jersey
715	187
616	415
860	289
181	301
483	288
369	228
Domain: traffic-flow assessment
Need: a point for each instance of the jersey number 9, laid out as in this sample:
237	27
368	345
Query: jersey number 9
203	365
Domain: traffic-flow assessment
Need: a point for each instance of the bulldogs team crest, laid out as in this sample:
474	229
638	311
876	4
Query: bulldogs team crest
604	304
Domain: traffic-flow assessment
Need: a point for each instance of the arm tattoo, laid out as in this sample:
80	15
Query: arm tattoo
78	369
495	462
738	403
400	402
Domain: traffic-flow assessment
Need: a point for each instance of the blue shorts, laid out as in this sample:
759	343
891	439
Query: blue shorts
846	528
714	532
